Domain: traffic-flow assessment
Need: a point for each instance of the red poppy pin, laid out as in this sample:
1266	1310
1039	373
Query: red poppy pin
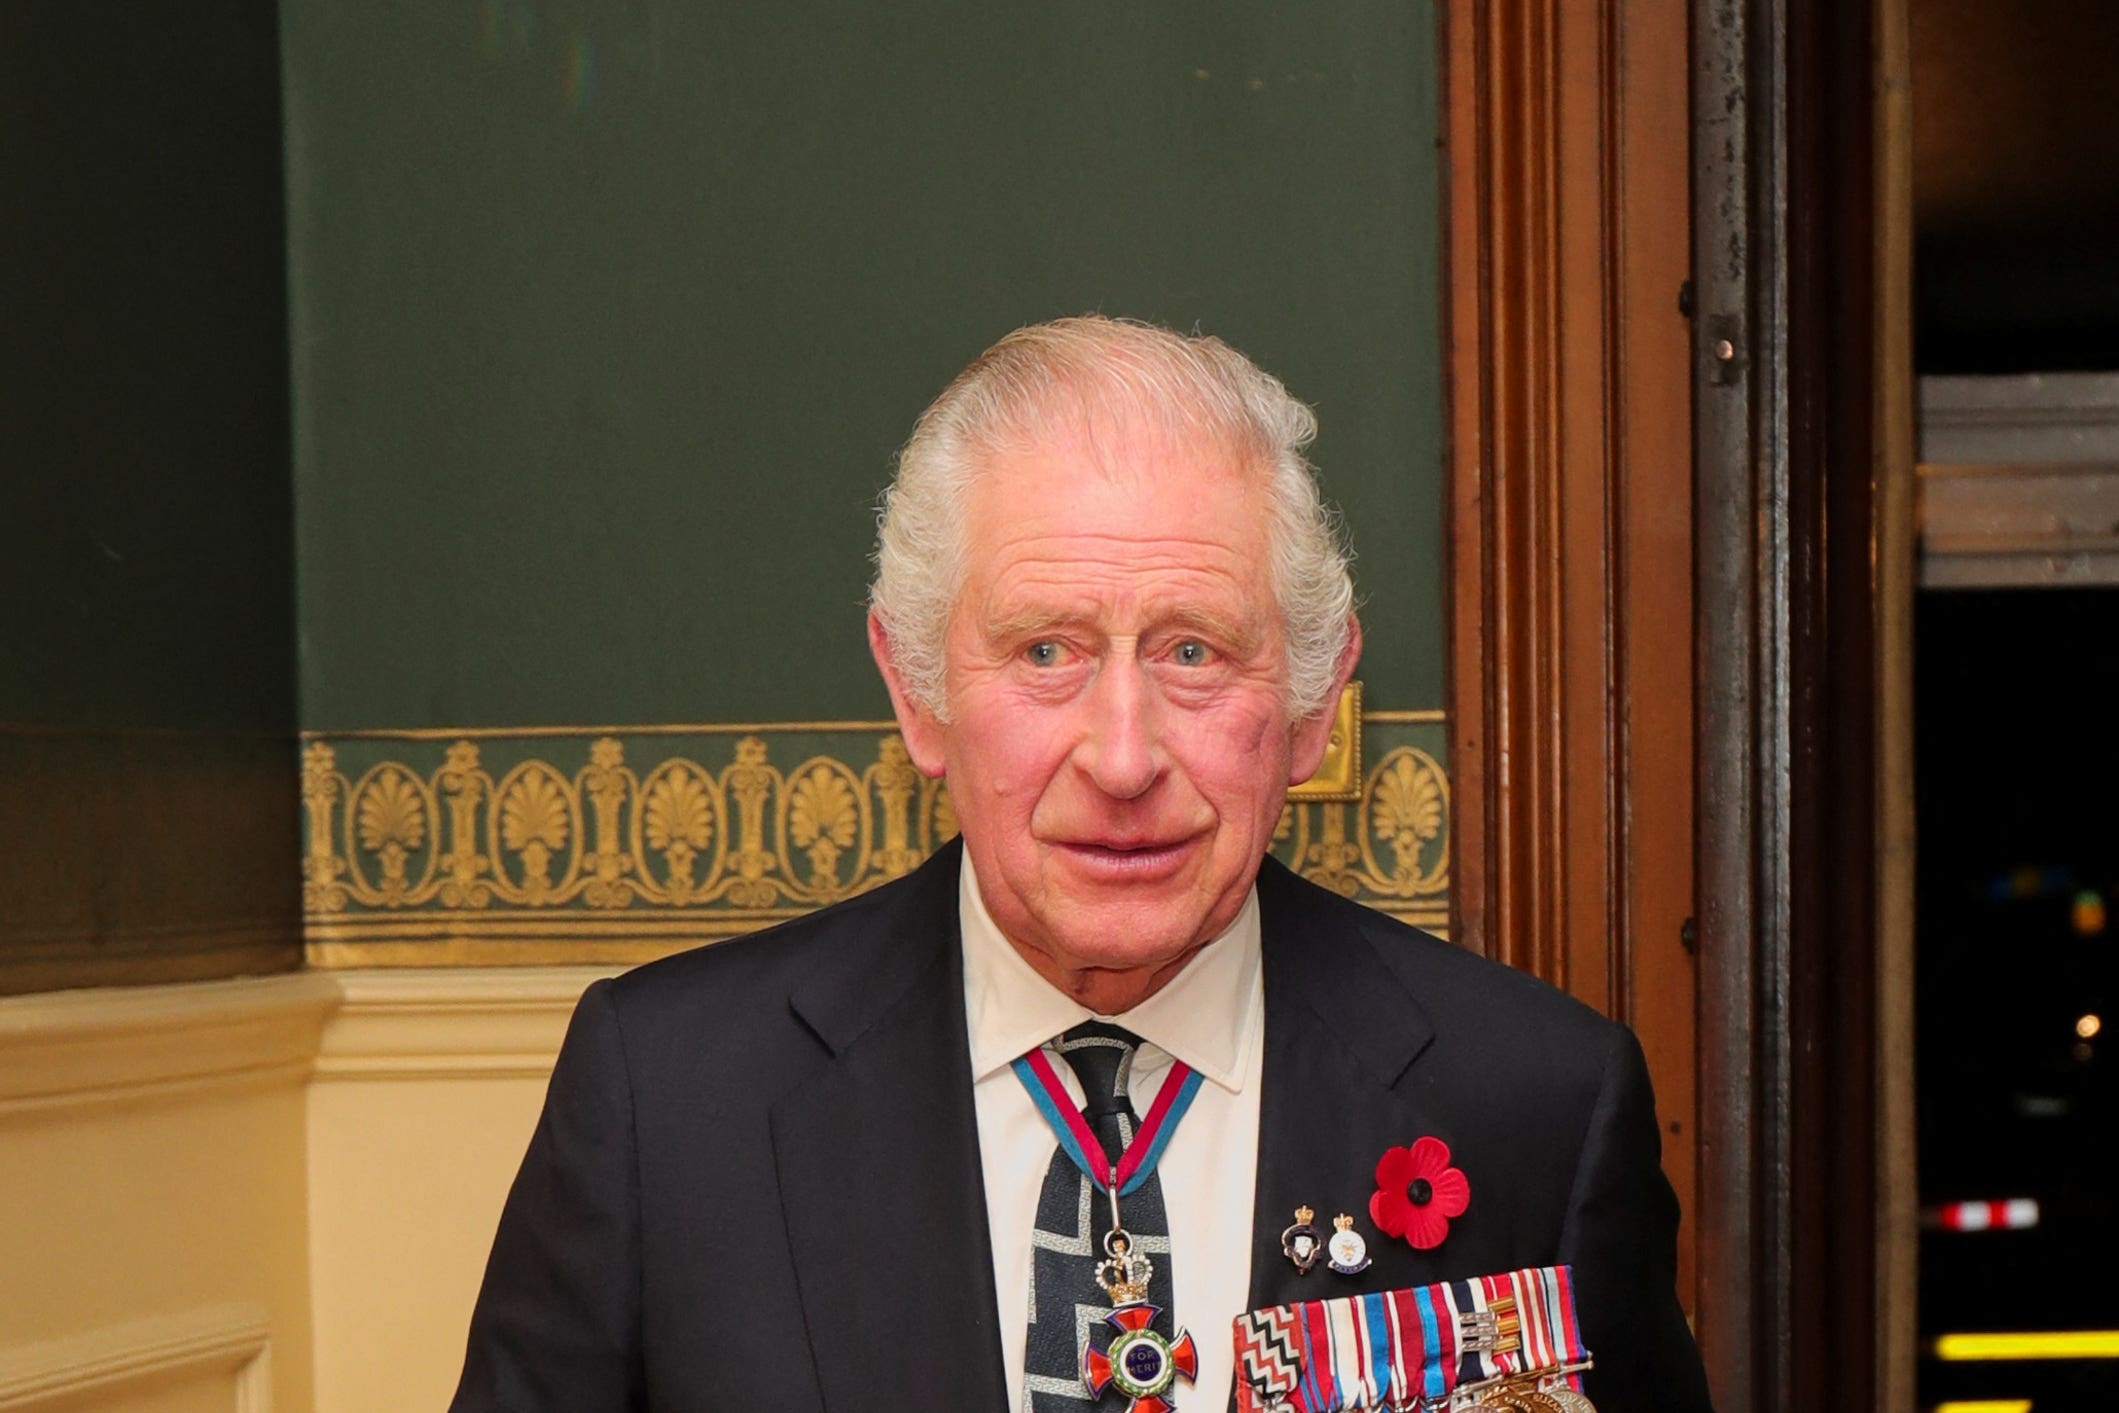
1417	1192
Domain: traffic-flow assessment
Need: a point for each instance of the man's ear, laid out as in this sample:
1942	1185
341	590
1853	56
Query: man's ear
919	726
1313	734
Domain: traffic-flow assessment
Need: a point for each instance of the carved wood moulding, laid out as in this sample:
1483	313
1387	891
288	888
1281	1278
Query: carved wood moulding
1570	511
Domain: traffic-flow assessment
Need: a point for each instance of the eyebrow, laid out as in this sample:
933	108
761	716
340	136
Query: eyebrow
1029	622
1236	637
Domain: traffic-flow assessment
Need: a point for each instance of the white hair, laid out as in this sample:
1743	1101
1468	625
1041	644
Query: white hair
1090	374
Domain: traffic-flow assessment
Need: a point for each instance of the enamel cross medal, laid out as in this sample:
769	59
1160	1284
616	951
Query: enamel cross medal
1140	1362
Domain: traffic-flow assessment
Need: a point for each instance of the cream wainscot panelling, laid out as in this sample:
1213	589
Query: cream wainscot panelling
426	1089
261	1196
154	1231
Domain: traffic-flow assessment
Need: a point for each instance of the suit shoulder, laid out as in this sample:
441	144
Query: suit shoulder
1462	992
1490	991
850	937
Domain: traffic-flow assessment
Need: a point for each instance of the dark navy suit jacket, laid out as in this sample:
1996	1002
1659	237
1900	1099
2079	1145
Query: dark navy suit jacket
756	1183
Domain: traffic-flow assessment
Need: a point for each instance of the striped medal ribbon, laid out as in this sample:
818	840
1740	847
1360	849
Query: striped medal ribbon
1426	1347
1140	1361
1125	1272
1064	1117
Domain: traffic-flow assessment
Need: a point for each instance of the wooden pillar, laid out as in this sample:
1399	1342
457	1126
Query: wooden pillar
1570	428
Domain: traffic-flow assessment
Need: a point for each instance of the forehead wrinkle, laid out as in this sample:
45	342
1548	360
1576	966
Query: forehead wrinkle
1061	582
1073	557
1070	559
1034	564
1080	578
1115	545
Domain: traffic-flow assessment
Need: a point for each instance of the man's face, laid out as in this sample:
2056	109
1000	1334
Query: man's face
1118	749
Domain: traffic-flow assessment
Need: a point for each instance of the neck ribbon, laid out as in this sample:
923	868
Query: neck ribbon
1080	1143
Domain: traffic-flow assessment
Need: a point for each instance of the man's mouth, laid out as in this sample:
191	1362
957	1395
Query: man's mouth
1135	859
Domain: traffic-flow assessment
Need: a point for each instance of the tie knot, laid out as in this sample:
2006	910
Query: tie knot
1101	1056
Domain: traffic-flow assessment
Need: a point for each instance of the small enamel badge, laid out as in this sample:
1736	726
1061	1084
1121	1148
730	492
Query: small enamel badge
1301	1242
1349	1251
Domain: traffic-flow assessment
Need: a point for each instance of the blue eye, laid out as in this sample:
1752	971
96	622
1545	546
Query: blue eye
1042	653
1191	652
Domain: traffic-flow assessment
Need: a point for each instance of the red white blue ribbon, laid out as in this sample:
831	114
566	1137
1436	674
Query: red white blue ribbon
1081	1144
1410	1349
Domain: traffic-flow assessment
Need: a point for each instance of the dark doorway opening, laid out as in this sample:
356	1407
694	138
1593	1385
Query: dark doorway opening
2017	701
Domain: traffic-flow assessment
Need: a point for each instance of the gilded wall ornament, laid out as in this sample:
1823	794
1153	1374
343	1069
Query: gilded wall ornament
613	845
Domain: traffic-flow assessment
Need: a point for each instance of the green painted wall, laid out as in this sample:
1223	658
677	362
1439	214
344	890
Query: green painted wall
607	317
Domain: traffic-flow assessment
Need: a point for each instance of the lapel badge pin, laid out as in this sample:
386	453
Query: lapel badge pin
1349	1250
1301	1243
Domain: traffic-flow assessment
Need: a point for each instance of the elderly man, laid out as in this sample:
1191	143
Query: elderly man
1099	1108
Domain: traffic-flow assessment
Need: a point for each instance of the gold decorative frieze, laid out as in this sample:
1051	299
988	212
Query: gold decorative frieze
1397	853
438	848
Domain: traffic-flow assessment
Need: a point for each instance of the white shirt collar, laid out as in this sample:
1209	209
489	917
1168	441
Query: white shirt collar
1202	1016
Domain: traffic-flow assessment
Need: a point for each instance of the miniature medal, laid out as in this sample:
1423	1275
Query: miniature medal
1518	1399
1349	1251
1300	1242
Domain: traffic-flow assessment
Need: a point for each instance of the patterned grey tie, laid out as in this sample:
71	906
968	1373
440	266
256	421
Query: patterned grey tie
1066	1303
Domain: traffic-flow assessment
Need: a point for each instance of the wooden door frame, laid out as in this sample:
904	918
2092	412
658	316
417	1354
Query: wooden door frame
1804	544
1571	701
1744	910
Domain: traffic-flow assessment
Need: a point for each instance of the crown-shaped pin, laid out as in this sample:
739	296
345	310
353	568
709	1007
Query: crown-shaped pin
1125	1273
1303	1215
1342	1222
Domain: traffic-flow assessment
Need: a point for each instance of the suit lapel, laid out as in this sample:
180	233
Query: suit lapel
1343	1034
880	1178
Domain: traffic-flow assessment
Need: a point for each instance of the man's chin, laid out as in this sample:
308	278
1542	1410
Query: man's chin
1119	937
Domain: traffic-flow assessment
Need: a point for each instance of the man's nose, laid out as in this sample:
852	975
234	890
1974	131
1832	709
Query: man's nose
1120	750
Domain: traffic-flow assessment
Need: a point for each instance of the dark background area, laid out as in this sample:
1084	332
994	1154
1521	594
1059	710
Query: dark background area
148	810
2016	185
2016	269
2017	772
146	505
